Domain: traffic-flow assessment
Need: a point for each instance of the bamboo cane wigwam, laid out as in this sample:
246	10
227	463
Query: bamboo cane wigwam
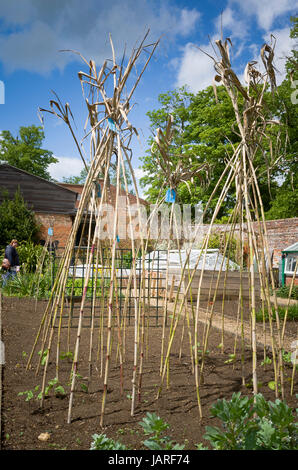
189	292
109	133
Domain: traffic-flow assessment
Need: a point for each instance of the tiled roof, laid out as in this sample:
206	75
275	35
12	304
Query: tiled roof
78	188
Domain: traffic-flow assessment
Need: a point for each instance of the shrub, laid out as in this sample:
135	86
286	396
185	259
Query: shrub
292	313
28	285
17	220
30	254
284	292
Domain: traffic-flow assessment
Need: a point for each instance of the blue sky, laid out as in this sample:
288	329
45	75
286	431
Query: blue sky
33	31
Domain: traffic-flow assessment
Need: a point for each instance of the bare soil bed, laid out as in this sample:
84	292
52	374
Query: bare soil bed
23	422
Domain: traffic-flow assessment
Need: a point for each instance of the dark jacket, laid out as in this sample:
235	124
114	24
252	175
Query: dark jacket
12	255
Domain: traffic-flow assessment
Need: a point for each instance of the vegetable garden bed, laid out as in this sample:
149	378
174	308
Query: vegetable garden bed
23	422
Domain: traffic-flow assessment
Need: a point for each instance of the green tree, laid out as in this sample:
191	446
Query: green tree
24	151
285	203
292	60
17	221
80	179
206	131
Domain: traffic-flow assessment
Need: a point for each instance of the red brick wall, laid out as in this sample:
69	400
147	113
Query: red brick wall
288	280
61	224
281	233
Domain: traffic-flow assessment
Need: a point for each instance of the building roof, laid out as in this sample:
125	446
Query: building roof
78	188
40	195
291	248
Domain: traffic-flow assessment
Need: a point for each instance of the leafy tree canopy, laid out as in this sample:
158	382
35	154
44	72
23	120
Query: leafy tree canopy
206	132
24	151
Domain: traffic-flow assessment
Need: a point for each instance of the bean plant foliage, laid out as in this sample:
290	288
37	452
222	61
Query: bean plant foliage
153	426
253	424
248	423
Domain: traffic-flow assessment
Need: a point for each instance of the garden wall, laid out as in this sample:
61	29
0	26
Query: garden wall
61	224
281	234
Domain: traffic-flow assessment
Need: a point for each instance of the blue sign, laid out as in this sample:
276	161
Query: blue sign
98	190
50	231
118	239
112	125
170	195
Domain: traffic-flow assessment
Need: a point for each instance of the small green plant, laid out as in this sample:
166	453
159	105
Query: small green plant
232	358
79	377
267	360
66	355
154	426
43	356
102	442
253	424
286	356
29	394
200	351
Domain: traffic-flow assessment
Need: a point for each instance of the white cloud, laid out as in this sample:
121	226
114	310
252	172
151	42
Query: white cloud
33	38
238	21
196	69
66	167
266	11
139	173
231	23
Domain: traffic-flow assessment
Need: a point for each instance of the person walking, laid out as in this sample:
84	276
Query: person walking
13	257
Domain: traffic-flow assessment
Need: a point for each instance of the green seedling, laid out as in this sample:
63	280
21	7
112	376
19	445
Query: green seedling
232	358
29	394
154	426
66	355
79	377
272	385
287	357
200	351
84	387
250	385
267	360
43	355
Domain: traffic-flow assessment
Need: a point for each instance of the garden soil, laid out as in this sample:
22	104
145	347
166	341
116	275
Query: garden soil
23	422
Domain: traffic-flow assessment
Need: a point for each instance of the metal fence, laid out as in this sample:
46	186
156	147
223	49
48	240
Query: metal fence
132	293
